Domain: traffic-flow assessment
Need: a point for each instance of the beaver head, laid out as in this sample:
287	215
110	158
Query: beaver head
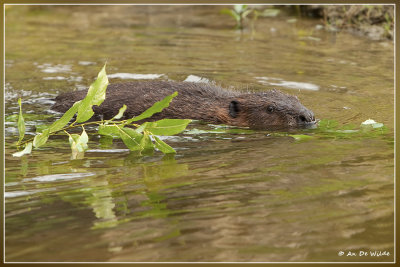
269	110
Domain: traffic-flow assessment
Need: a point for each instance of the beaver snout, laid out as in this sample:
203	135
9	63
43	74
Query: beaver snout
306	118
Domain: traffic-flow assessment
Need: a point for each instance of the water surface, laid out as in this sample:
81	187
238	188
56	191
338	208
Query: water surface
254	197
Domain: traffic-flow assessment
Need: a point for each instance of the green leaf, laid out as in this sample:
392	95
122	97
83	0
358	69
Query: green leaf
41	127
65	119
231	13
141	128
131	138
41	139
78	142
326	124
301	137
27	150
162	146
109	130
85	112
239	8
84	139
95	96
146	143
246	13
73	140
21	122
106	141
157	107
167	126
120	113
77	151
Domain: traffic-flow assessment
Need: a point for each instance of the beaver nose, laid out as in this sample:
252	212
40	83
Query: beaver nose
306	117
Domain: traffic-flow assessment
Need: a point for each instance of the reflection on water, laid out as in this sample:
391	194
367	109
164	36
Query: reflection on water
233	196
49	68
287	84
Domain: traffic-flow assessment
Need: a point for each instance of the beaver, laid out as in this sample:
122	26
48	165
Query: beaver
199	101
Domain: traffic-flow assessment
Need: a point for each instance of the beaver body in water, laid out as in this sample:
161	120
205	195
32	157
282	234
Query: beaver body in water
199	101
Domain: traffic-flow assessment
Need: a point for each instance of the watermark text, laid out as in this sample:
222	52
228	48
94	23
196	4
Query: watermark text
363	253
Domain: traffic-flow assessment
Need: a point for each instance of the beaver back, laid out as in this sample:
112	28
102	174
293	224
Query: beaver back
199	101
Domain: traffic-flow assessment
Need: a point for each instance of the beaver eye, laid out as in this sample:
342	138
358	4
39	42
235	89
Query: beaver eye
270	109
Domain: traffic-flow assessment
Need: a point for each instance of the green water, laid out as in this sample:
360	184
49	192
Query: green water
255	197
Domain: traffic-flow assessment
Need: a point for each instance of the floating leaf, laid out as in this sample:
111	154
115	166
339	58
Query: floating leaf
327	124
41	139
95	96
167	126
301	137
27	150
162	146
157	107
21	122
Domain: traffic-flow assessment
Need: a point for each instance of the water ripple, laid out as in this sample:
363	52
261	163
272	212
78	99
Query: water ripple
62	176
287	84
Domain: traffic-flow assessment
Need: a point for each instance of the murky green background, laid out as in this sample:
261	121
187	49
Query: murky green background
223	197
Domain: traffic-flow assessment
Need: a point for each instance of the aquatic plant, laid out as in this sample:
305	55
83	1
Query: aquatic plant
136	137
240	12
330	129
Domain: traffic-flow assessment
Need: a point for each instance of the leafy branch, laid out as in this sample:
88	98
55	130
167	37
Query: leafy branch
135	137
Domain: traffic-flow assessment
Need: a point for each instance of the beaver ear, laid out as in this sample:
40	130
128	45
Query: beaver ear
234	108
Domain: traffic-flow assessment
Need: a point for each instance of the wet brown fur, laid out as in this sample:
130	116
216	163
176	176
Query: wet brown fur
199	101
